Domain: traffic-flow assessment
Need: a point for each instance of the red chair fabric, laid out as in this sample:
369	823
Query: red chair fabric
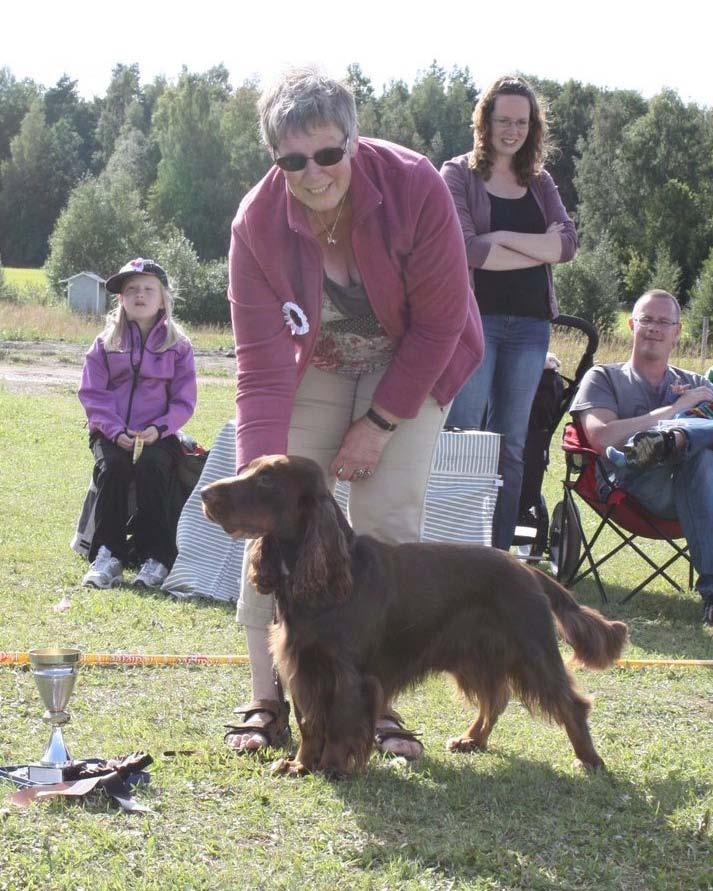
618	510
620	506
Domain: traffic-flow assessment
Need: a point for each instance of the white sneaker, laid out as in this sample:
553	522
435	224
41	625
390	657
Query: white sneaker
105	572
151	574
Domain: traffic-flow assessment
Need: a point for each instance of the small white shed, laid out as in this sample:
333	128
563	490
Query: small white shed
86	293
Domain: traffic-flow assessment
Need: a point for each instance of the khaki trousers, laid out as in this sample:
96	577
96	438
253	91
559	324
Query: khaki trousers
390	504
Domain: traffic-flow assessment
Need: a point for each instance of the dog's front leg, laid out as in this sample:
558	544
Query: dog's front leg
349	733
338	759
308	756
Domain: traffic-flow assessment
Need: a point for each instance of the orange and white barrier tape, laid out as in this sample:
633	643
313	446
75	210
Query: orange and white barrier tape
664	663
162	659
137	659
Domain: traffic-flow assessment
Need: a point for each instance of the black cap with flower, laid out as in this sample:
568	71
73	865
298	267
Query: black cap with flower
139	266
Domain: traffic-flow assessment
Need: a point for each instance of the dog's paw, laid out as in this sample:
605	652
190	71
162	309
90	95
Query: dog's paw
288	768
595	766
464	744
335	773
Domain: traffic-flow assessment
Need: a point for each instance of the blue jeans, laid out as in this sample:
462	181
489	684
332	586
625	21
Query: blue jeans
505	384
682	489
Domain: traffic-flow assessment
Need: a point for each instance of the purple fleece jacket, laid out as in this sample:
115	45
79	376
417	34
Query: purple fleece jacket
138	386
409	248
473	205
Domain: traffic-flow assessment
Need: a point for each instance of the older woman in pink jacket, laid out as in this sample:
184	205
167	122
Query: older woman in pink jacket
355	326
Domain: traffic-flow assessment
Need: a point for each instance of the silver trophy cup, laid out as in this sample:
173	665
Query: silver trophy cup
55	672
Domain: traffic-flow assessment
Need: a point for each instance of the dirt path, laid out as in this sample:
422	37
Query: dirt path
29	367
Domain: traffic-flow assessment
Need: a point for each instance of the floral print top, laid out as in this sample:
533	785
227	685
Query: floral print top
351	340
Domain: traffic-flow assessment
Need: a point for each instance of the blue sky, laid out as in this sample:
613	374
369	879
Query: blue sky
629	43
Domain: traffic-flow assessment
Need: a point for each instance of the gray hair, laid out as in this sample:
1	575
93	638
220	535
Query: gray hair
660	294
304	98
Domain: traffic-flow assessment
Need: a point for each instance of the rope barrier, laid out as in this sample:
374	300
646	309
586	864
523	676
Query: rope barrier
137	659
165	659
664	663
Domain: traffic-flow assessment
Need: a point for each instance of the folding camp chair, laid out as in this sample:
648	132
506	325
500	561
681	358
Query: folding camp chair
572	554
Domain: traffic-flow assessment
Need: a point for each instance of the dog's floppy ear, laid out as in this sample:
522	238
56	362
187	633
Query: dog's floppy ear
265	565
323	572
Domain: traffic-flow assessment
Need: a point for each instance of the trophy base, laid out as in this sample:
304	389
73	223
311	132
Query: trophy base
48	774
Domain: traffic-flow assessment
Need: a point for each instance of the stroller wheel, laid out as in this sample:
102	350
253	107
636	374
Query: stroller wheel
565	541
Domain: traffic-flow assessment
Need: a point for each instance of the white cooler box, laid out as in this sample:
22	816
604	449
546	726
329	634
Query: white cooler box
460	502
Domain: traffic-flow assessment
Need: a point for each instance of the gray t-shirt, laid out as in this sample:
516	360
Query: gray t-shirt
619	388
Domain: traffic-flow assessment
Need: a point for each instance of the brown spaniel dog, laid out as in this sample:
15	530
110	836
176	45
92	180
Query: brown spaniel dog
361	620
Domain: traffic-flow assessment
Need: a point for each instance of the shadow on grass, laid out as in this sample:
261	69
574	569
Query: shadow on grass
659	623
522	824
200	604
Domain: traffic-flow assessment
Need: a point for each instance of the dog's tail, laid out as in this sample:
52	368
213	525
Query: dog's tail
596	641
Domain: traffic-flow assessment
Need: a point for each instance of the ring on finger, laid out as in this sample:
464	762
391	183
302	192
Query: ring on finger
339	470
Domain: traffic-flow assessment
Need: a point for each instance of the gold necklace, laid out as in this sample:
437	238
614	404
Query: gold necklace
331	240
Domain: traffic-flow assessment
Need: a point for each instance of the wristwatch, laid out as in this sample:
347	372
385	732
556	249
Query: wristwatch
376	418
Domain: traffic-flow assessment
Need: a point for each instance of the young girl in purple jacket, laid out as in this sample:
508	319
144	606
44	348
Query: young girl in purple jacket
138	389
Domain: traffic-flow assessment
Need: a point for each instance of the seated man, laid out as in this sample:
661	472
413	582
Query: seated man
668	469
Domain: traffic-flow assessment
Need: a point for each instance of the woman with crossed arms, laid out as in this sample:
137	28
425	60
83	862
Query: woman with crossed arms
515	227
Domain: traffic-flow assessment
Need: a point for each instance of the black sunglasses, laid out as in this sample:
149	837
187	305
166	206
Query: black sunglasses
326	157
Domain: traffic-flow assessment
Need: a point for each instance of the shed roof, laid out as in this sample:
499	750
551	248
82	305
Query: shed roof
92	275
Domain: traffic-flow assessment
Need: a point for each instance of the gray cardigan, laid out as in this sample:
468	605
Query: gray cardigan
473	206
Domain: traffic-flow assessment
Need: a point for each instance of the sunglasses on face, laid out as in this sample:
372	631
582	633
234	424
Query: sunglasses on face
326	157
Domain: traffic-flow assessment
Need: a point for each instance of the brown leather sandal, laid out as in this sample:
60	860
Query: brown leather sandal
400	732
275	732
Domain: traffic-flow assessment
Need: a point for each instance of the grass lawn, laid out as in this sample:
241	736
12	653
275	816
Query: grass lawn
26	286
25	277
519	816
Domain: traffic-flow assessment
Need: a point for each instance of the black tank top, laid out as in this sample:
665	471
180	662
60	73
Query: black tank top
514	292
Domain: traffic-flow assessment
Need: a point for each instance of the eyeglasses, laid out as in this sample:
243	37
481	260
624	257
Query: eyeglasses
520	124
326	157
649	322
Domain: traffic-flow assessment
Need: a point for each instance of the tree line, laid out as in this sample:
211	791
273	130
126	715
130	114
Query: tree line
159	168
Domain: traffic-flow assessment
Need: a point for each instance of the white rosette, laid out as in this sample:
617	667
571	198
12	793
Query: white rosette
295	318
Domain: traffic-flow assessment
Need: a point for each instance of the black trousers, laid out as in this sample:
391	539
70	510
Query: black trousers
157	508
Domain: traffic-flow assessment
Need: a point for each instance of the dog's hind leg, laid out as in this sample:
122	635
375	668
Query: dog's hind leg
572	711
544	683
493	696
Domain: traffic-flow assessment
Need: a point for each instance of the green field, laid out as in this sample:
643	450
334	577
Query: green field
24	288
517	817
22	278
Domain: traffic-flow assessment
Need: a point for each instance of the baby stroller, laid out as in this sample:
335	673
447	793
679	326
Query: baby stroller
536	536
